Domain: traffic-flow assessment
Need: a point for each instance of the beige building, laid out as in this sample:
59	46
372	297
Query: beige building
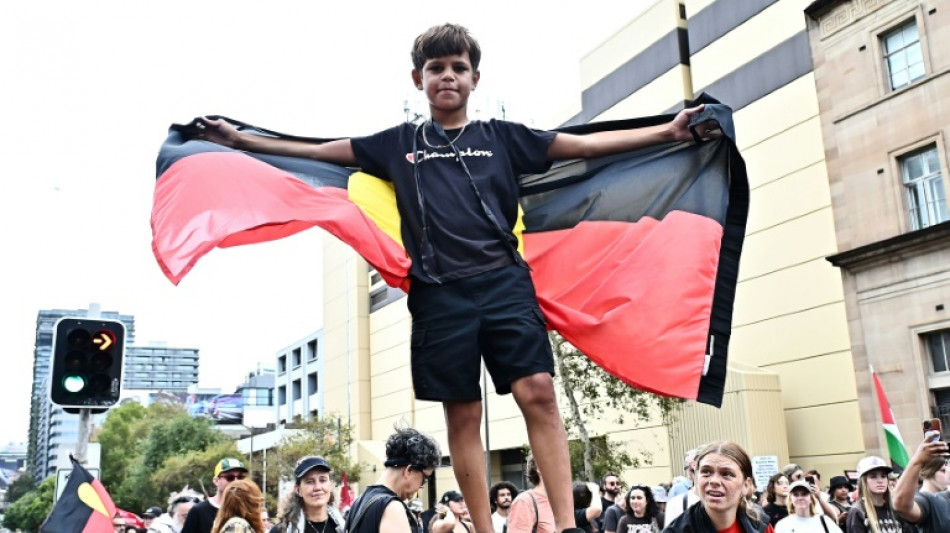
883	79
798	336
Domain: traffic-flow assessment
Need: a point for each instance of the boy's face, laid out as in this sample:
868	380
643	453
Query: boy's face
447	81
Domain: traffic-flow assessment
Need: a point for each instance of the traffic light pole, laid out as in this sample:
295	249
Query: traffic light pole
82	442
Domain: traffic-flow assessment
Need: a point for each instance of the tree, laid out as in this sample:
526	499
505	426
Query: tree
28	513
593	394
194	469
20	487
172	434
119	437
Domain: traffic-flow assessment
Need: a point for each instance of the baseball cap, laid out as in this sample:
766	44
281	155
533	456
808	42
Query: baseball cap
800	484
309	463
839	481
452	496
659	493
152	512
228	464
872	463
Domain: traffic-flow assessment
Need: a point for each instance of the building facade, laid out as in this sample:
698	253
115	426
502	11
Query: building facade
299	383
160	368
882	71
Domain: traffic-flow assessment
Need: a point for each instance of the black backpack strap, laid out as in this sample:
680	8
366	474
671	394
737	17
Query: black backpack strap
352	524
537	517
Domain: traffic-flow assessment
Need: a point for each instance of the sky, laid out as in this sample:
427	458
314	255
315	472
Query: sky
90	88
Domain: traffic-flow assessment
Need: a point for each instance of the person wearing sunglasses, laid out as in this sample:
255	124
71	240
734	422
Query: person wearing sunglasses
179	503
200	518
411	460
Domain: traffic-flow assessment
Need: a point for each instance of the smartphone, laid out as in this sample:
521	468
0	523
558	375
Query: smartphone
810	480
933	425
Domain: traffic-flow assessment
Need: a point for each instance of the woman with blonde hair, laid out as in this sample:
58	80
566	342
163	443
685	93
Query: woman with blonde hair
802	504
873	512
240	510
309	507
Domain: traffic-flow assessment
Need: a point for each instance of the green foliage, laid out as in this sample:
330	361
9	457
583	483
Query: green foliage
119	437
29	511
194	469
606	457
20	486
178	434
328	437
145	449
593	394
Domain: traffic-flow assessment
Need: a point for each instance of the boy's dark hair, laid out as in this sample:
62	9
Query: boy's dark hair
408	447
444	40
493	491
582	495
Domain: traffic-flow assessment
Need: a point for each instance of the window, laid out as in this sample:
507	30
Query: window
311	350
282	364
312	383
923	187
281	395
296	357
296	389
903	55
938	346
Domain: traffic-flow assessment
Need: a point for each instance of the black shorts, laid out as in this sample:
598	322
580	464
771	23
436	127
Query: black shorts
494	315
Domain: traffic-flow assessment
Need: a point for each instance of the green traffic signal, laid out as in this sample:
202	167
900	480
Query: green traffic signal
73	383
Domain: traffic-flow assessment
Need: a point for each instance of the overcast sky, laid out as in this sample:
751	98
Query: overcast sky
90	88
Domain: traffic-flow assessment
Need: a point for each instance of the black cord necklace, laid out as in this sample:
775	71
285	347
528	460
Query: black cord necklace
314	527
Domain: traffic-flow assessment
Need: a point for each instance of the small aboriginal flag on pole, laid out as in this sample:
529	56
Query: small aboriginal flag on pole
84	507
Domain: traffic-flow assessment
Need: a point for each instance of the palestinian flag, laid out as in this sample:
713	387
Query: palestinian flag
84	507
895	444
634	256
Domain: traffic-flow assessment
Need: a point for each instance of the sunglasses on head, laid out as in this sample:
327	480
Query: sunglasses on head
232	477
184	499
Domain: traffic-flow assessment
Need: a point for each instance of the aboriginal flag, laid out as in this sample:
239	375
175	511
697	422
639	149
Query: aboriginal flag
84	507
634	256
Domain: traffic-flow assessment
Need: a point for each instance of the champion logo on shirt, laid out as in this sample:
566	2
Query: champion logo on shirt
468	152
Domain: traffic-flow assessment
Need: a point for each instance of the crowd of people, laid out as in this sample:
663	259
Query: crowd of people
717	495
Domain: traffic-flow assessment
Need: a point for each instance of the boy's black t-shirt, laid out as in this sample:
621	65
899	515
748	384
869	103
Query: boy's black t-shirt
464	240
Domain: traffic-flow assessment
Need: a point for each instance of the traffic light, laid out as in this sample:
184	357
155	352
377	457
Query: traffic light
86	369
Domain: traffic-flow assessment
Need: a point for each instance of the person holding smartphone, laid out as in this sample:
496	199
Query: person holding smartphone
813	479
929	509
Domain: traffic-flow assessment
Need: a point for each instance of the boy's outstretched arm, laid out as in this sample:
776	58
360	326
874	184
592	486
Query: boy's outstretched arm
569	146
219	131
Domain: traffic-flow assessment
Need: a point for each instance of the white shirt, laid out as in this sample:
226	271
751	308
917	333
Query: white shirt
674	506
796	524
498	522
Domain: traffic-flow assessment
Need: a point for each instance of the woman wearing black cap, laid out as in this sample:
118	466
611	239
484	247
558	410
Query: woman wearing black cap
451	514
307	509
